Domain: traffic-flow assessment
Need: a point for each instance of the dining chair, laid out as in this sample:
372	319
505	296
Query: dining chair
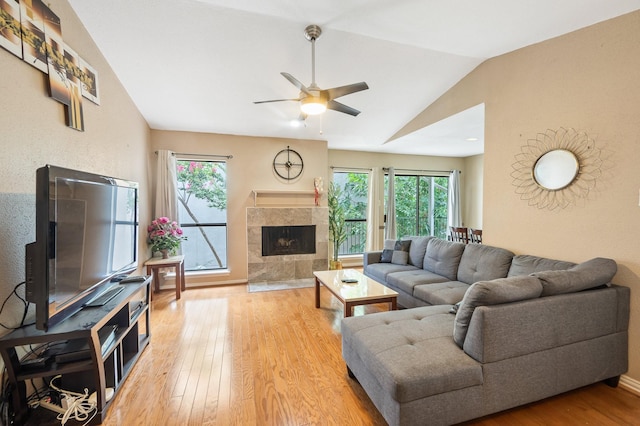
475	236
460	234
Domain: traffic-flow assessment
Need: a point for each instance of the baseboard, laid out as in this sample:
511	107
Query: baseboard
214	283
351	261
194	279
629	384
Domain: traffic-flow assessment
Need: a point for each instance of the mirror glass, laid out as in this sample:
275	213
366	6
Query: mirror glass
556	169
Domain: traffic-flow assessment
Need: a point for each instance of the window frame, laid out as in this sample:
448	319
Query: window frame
222	261
345	248
433	186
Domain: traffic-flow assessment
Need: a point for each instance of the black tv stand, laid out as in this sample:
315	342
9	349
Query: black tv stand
114	334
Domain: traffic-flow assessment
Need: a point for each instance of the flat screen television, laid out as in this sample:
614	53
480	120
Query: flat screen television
86	234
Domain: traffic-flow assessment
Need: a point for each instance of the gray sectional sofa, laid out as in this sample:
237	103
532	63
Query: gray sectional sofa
486	331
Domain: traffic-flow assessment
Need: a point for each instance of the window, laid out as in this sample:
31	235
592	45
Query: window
202	208
353	198
421	204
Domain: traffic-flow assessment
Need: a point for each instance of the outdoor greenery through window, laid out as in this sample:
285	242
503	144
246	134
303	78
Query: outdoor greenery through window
202	208
353	191
421	204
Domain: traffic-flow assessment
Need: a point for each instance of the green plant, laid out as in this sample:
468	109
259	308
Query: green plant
337	233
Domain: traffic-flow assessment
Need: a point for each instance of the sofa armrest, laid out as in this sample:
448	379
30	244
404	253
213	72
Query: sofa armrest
371	257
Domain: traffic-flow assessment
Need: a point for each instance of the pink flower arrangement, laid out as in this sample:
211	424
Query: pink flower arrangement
164	234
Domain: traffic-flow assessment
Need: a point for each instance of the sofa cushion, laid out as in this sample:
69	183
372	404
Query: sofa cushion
443	258
410	352
417	250
503	290
524	264
380	271
483	263
396	252
407	280
445	293
592	273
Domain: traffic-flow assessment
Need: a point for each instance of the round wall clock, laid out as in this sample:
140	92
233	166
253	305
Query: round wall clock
288	164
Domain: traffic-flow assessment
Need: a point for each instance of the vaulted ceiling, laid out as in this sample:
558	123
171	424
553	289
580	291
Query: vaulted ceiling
198	65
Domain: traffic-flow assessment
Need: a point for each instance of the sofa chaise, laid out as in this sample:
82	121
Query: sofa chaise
541	328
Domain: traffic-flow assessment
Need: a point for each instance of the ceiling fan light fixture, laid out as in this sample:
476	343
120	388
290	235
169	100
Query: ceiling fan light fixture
313	100
313	106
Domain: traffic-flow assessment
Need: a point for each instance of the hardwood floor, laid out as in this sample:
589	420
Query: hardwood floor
224	356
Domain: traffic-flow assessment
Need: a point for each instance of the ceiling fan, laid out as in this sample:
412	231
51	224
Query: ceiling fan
314	100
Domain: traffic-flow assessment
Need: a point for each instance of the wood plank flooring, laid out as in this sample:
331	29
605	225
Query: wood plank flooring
223	356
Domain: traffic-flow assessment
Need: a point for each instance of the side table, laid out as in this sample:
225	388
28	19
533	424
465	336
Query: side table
177	262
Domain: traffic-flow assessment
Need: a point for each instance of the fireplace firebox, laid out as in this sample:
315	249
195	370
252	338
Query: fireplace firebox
287	240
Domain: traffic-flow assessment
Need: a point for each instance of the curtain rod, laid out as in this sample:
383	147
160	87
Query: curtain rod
386	169
200	155
350	168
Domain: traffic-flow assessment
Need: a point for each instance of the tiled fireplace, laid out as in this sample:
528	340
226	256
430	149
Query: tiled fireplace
289	227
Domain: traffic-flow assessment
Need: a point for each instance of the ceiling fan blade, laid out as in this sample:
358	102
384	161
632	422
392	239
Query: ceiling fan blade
296	83
337	106
275	100
336	92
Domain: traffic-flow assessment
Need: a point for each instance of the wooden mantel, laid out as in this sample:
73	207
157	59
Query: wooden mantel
282	198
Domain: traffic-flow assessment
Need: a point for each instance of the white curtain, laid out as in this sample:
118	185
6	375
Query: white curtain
390	228
454	215
166	186
373	211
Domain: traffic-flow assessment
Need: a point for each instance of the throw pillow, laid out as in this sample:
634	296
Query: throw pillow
400	257
396	252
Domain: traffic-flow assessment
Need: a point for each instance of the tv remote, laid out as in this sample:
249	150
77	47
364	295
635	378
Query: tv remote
134	279
118	278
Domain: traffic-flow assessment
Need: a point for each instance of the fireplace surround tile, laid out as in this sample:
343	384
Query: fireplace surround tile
285	267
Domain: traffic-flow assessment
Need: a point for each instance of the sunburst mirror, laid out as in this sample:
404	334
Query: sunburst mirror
556	168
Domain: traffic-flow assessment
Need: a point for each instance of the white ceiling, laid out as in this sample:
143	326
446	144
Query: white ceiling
198	65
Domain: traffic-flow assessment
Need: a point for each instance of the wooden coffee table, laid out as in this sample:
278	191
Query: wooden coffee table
364	291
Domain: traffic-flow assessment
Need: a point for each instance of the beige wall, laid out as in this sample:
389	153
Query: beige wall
250	168
116	143
586	80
